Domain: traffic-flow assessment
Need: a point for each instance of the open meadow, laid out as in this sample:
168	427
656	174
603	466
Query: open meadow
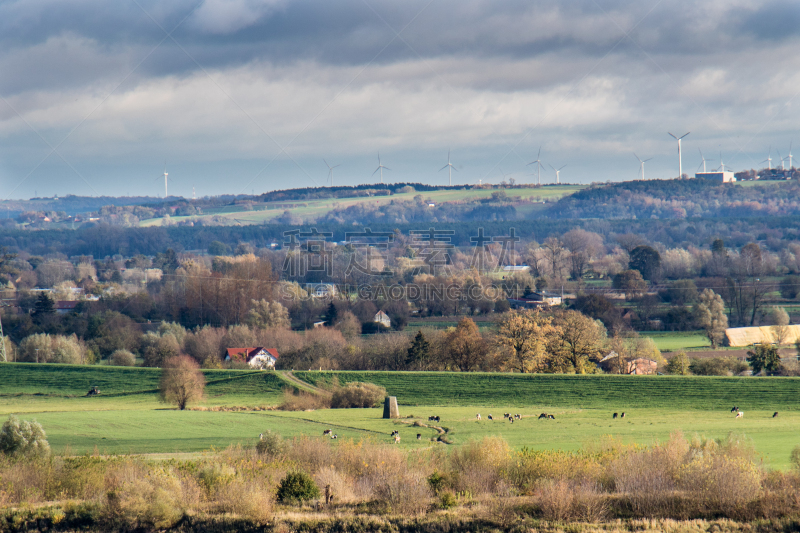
129	418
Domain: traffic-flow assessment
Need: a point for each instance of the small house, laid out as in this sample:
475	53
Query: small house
63	307
382	318
255	357
642	367
546	297
321	290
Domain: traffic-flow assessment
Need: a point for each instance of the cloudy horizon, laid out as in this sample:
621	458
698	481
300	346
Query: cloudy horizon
243	96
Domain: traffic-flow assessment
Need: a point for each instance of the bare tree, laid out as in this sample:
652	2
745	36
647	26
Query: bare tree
582	246
181	381
555	254
710	315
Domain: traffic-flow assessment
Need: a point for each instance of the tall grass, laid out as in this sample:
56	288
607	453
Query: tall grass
676	479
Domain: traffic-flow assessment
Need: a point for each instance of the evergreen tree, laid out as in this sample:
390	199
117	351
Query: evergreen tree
43	306
419	351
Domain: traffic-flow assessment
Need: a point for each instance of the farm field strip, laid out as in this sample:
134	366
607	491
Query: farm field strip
319	207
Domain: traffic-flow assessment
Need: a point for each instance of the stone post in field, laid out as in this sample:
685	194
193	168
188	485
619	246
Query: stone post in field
390	409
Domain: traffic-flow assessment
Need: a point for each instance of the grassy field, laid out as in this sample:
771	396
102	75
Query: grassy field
673	341
309	209
128	417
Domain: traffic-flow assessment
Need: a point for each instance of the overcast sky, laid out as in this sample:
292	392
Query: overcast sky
241	96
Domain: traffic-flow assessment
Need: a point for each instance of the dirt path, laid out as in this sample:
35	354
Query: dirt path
293	380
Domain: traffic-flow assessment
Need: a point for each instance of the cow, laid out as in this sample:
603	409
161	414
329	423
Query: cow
543	415
490	417
396	439
622	415
739	414
734	409
774	415
478	416
419	436
614	416
551	417
326	432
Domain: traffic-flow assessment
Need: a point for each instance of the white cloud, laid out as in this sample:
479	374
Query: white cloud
228	16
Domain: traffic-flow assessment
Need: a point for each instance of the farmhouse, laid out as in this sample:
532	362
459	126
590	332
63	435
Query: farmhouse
722	177
642	367
382	318
256	357
321	290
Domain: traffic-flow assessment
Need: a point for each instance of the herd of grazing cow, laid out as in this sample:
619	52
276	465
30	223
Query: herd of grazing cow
511	418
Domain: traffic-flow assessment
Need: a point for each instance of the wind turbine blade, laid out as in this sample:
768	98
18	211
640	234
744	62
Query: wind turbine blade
671	135
454	168
387	168
551	166
636	156
444	167
336	166
646	160
539	154
562	167
685	134
376	170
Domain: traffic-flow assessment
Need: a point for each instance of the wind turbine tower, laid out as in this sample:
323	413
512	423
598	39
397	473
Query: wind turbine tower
680	163
538	167
380	167
790	157
330	171
165	175
641	165
704	160
768	160
558	173
450	168
783	161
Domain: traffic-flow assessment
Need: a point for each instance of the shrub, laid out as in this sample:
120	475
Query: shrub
357	394
795	457
679	364
297	487
23	438
717	366
303	401
122	358
271	444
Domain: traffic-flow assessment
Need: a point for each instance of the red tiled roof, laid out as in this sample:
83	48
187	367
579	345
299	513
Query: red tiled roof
249	353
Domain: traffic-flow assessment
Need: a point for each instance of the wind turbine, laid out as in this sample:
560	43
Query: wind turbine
451	168
330	171
680	163
790	157
558	170
641	165
768	160
783	161
380	167
721	163
165	175
704	160
538	167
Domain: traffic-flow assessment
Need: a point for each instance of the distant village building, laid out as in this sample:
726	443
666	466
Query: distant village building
321	290
516	268
536	300
255	357
382	318
722	177
63	307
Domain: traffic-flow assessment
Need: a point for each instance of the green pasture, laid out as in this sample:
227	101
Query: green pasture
315	208
673	341
128	417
